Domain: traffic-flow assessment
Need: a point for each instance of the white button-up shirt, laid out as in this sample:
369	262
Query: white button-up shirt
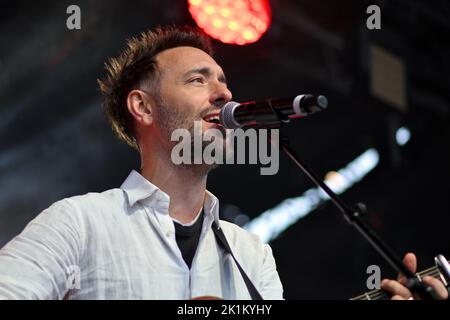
120	244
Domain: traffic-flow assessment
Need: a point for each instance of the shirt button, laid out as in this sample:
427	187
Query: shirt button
168	234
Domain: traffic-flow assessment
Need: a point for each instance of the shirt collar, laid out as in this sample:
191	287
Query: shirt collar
138	188
211	206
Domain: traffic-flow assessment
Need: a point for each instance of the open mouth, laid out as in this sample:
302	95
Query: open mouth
212	118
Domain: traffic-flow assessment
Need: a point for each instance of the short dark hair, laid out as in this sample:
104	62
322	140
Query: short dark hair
135	64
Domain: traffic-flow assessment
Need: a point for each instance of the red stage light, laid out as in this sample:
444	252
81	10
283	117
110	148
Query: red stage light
232	21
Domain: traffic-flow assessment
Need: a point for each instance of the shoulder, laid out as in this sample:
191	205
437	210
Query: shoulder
241	238
98	201
87	206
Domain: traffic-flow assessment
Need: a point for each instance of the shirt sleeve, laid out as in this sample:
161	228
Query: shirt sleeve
270	283
42	262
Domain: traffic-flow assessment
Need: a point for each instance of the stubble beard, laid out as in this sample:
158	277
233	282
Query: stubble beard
170	119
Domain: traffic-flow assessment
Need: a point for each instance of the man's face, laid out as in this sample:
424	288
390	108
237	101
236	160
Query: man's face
192	86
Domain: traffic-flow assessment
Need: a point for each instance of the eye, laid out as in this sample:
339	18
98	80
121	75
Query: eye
197	80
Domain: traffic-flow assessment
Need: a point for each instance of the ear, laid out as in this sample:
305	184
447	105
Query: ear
140	106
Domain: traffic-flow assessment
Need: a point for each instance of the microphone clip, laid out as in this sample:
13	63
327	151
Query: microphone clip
281	117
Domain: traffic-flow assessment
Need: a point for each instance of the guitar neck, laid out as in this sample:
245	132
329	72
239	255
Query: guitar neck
379	294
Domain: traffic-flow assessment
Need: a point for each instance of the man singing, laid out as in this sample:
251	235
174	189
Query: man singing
153	237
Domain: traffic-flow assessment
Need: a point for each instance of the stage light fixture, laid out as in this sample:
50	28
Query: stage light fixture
232	21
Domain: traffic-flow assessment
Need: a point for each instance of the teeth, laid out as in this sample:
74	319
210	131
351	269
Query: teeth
212	118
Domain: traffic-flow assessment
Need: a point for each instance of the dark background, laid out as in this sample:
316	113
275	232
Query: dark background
55	142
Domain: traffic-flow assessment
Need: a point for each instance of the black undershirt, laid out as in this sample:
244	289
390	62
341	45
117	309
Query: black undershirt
187	238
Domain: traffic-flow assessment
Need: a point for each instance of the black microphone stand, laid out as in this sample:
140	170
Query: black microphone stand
354	217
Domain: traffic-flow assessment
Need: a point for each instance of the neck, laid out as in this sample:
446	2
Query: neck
184	184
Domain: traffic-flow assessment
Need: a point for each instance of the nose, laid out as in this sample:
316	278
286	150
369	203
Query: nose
221	95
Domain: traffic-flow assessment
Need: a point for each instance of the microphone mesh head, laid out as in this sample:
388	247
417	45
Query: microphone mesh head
227	115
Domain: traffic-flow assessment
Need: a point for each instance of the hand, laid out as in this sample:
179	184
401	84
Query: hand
399	291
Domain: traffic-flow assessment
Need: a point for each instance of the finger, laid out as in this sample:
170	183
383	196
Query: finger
395	288
397	297
410	261
438	287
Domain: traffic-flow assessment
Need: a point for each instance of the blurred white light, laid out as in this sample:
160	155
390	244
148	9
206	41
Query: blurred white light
274	221
403	135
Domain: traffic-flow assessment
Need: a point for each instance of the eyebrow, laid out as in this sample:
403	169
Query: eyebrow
207	72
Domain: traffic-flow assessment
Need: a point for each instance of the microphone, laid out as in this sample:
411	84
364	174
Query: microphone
269	113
